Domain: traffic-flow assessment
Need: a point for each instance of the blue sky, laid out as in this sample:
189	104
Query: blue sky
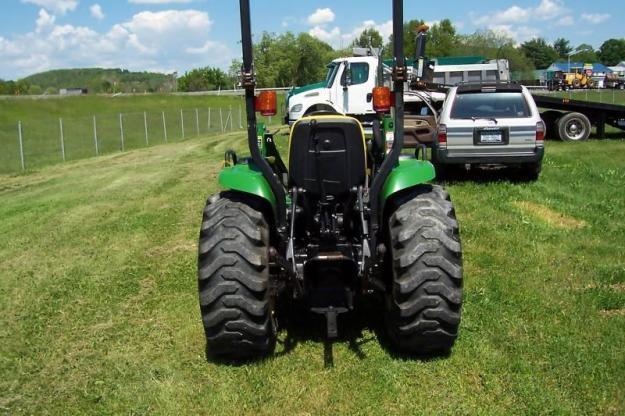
177	35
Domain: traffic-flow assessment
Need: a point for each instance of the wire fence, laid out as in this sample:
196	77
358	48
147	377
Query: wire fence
33	144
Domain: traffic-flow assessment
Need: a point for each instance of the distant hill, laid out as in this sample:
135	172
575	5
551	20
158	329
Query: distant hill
99	80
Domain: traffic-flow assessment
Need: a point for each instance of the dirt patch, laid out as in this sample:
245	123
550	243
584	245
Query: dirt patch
551	217
610	313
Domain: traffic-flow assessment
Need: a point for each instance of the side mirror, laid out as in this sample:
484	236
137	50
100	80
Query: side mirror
347	75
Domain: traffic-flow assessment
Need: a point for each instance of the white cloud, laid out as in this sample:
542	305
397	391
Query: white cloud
549	9
44	21
511	15
158	41
159	1
96	11
330	36
321	17
565	21
595	18
57	6
514	20
340	39
519	33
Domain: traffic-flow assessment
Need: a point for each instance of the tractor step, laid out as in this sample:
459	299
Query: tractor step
331	314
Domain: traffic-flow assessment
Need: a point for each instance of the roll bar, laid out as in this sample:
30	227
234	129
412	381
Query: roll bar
248	81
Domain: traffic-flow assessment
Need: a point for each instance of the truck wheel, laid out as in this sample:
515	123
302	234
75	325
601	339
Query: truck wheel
424	301
233	280
573	127
621	87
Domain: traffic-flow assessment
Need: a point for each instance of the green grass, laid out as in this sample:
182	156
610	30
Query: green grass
606	96
99	310
41	125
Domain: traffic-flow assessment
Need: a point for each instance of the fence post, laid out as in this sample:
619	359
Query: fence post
231	117
19	134
145	125
209	119
182	123
95	137
121	129
164	127
240	118
62	139
221	120
197	121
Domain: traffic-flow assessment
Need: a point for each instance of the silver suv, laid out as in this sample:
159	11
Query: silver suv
490	124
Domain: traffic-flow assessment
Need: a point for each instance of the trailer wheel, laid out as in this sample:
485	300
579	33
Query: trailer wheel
573	127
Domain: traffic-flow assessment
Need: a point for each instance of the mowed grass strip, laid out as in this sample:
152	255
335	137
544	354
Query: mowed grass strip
99	310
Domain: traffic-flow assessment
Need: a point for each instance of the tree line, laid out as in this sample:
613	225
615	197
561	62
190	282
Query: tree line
291	59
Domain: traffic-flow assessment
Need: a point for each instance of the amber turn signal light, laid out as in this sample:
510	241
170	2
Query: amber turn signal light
381	99
267	103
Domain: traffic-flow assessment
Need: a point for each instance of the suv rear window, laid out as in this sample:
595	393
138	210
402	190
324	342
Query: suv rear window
490	105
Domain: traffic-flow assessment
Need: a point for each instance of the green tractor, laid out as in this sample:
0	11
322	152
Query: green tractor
349	218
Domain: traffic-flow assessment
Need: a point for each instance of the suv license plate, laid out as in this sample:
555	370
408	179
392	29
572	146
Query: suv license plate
489	136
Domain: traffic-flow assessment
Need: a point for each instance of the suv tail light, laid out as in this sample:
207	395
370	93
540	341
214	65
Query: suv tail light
540	131
442	133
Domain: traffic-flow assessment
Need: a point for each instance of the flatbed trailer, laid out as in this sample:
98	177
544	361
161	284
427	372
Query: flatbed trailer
572	120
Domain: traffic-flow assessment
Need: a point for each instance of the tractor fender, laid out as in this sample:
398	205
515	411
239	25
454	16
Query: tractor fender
407	174
247	179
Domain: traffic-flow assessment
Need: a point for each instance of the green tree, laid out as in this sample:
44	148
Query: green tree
539	52
369	38
410	45
585	53
612	51
563	48
201	79
312	58
35	90
21	87
495	45
442	39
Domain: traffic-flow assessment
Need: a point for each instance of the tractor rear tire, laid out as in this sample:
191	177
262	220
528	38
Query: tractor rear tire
233	280
425	300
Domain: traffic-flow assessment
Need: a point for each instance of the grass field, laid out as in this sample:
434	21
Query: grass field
42	130
99	311
606	96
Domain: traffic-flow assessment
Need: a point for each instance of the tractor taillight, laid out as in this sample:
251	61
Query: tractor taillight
540	131
381	99
442	133
267	103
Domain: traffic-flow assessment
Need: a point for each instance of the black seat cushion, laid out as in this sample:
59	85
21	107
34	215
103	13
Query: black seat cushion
328	150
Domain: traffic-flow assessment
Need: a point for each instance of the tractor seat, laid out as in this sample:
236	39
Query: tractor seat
418	131
327	155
